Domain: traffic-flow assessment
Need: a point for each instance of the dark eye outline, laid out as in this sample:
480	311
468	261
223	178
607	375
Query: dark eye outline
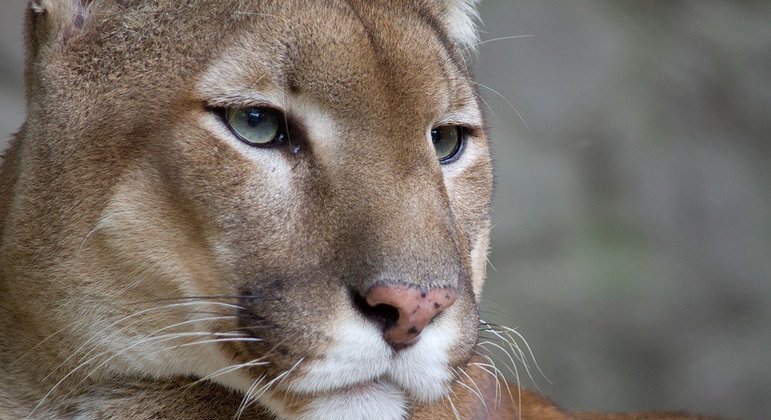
278	140
459	147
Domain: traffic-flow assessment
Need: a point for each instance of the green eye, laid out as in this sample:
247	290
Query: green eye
255	126
447	142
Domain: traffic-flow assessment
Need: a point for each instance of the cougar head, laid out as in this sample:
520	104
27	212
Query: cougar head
288	198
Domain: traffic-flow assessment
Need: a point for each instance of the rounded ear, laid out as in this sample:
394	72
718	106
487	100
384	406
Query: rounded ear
50	21
460	19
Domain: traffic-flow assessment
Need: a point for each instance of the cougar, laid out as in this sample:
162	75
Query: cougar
253	209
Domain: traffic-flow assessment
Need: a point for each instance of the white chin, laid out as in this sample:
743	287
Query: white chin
359	376
359	356
423	370
377	401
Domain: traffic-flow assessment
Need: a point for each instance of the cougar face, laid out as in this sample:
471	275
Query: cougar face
290	199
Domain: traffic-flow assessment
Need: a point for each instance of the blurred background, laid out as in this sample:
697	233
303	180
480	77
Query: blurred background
632	238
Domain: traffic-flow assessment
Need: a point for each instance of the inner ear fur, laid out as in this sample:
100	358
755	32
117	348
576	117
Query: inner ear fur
52	21
57	21
461	18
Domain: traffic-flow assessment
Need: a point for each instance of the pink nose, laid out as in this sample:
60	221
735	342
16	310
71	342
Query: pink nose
416	307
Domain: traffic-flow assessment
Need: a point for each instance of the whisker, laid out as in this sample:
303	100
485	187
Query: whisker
59	331
505	337
277	380
497	373
293	368
501	38
518	353
503	350
473	382
160	338
154	340
487	104
452	406
100	224
104	339
476	392
516	111
512	368
26	353
217	340
527	346
227	369
190	321
247	397
489	230
203	299
151	338
483	367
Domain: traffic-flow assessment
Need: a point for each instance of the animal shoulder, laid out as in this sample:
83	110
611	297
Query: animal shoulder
249	209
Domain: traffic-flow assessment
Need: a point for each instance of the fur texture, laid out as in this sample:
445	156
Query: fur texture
153	265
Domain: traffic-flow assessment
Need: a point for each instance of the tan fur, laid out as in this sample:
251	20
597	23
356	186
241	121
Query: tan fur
127	211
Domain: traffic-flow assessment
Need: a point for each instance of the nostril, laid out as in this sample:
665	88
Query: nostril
382	314
403	310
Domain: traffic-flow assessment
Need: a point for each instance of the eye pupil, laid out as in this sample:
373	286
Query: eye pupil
436	136
255	126
254	117
447	141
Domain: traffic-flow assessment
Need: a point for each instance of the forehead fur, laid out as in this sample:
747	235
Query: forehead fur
377	55
373	60
202	27
65	18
